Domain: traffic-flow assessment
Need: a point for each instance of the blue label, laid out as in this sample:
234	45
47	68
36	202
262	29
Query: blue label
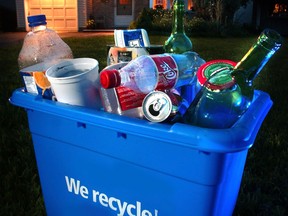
133	38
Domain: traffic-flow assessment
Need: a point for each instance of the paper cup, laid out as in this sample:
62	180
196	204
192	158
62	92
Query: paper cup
75	82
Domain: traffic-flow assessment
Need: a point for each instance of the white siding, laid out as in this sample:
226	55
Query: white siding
82	13
20	11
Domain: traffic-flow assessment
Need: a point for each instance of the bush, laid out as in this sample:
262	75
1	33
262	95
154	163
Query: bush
144	20
160	21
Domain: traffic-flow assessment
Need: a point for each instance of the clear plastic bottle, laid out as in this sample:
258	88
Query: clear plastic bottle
156	72
42	44
178	42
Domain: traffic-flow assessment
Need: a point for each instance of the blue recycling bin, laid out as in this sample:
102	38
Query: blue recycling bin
95	163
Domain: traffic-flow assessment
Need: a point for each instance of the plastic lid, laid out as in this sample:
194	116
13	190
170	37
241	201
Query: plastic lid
110	78
210	69
37	20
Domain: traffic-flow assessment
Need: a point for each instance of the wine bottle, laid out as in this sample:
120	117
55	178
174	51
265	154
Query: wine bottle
178	42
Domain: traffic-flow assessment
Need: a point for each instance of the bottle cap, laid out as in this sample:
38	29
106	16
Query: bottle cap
211	69
37	20
110	78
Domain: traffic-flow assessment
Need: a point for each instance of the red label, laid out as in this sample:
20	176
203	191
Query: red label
129	99
167	71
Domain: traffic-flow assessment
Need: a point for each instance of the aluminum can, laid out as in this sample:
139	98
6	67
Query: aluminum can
157	106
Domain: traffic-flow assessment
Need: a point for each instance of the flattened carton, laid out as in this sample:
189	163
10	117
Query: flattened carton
95	163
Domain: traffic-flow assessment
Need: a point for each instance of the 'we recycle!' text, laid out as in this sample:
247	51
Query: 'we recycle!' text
115	204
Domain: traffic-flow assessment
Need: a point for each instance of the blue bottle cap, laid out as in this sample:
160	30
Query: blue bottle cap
37	20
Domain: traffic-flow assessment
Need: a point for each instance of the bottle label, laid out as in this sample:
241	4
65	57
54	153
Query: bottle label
130	38
167	71
129	99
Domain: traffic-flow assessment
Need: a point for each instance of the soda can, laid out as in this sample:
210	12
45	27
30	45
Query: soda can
157	106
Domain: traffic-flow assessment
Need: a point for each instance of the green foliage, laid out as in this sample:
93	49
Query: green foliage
91	24
160	21
144	20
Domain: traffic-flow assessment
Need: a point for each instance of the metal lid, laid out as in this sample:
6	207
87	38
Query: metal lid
157	106
210	69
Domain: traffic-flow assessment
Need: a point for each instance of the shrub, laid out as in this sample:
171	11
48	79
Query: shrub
160	21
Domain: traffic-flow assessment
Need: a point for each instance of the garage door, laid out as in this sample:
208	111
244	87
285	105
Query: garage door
61	14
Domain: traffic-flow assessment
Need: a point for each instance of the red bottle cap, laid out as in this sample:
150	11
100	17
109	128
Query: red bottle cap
209	68
110	79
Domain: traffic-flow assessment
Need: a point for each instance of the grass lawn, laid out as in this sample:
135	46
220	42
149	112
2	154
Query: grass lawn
264	188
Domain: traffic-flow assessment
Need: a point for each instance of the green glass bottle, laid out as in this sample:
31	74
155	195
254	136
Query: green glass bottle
269	41
178	42
227	89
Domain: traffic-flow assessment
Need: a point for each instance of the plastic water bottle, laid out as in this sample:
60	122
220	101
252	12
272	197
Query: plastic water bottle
42	44
155	72
227	91
178	42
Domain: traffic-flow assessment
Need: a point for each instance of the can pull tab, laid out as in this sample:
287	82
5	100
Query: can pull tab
156	106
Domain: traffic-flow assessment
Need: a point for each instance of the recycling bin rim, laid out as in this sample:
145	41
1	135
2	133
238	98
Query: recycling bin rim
239	137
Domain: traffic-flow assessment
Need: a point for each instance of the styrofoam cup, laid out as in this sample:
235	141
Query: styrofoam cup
75	82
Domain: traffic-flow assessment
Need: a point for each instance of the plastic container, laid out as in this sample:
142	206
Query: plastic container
97	163
42	47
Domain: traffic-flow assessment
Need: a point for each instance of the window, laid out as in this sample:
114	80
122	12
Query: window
280	9
159	4
124	7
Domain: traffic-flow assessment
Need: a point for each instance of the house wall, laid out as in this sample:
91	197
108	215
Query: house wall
21	18
139	7
105	9
82	13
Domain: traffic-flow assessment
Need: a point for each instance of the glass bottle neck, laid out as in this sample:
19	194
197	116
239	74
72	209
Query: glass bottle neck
38	28
258	55
178	17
